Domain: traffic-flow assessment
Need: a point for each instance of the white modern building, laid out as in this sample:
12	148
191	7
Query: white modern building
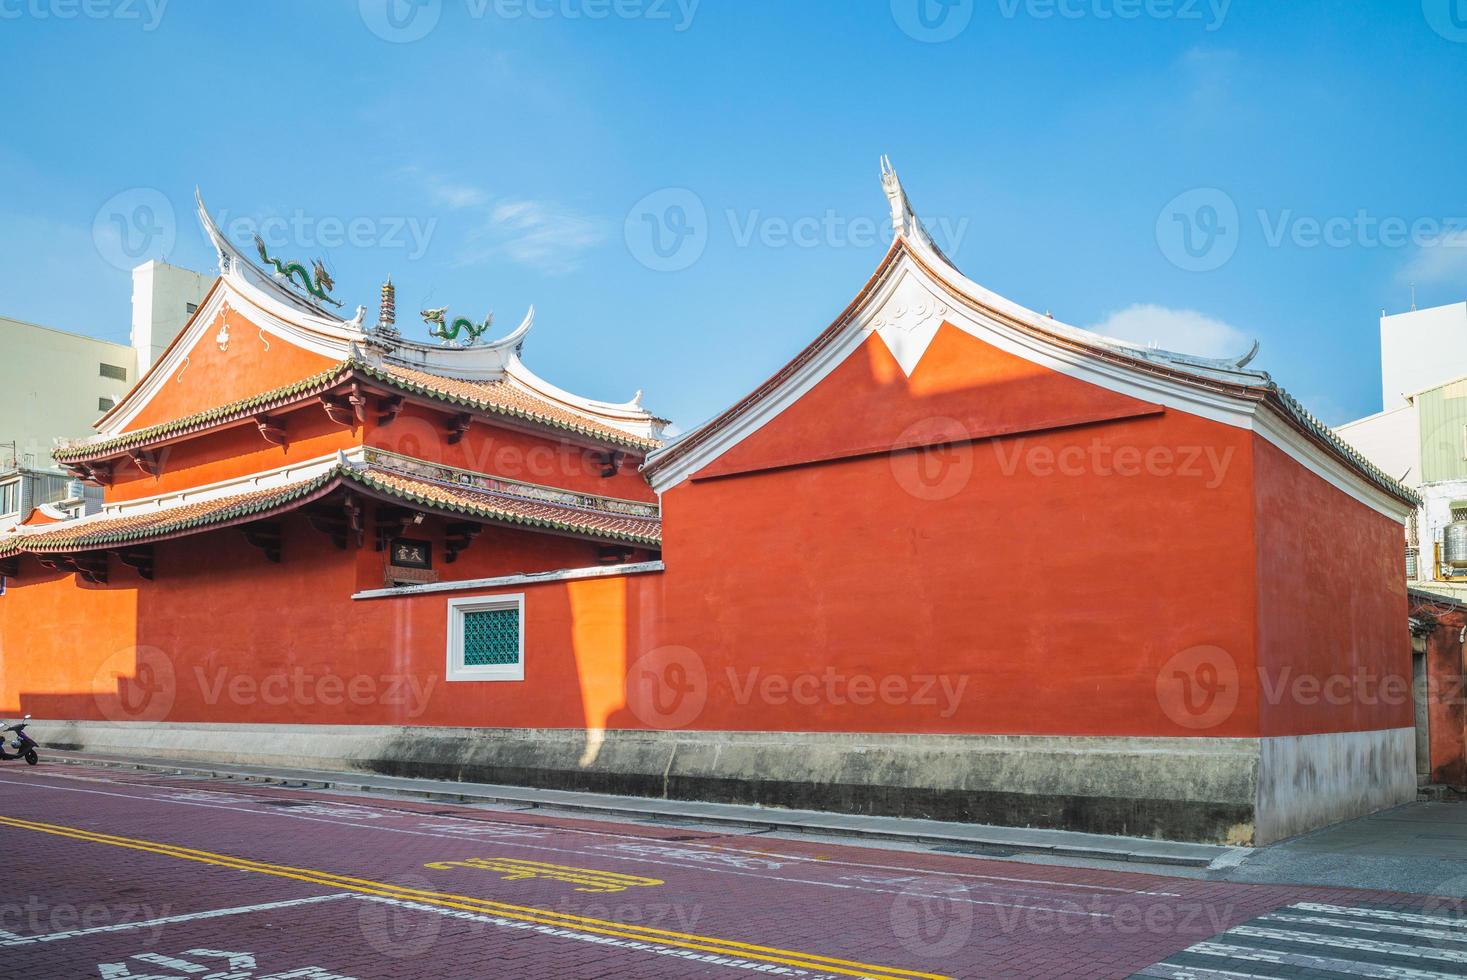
55	384
1420	435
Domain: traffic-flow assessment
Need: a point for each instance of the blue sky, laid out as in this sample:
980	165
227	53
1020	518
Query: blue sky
1191	173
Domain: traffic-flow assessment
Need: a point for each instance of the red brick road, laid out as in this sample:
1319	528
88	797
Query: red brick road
123	875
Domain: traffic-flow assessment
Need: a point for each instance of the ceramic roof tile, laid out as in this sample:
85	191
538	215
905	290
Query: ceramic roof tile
495	501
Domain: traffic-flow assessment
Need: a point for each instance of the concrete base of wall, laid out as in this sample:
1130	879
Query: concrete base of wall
1214	790
1309	781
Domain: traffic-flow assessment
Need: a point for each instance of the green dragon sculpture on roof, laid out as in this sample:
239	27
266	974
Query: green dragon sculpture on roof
439	326
316	281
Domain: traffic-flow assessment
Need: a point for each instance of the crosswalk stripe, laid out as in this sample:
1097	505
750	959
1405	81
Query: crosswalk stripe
1174	971
1389	915
1343	943
1420	932
1352	967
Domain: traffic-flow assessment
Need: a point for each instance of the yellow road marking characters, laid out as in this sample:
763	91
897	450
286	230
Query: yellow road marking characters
587	879
523	913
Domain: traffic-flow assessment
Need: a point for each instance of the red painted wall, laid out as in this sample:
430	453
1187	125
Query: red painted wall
232	453
212	377
223	636
1334	654
1103	567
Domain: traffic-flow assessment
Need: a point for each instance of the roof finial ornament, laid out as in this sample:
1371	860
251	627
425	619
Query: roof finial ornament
902	218
214	237
904	221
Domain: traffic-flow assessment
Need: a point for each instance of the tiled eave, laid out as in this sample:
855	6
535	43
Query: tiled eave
1251	386
420	385
142	527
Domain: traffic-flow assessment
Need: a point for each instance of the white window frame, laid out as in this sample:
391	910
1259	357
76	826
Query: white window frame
458	671
4	512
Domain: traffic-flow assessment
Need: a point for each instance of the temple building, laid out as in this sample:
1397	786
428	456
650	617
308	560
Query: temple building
955	560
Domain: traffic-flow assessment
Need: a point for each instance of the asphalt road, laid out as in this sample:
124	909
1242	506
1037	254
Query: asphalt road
112	875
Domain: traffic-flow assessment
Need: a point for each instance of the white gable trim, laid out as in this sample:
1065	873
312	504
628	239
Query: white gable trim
173	365
908	292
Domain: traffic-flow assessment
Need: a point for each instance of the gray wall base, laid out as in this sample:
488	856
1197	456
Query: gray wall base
1213	790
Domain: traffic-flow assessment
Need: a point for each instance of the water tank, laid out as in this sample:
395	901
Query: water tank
1454	544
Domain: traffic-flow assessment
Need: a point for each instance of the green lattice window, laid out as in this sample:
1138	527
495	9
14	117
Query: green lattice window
491	637
486	638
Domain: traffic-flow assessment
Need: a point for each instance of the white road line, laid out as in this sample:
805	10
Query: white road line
1354	967
1112	889
1385	915
1348	944
561	932
1172	971
1418	932
168	920
558	850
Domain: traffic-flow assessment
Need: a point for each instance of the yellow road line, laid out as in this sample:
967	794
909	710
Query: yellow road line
524	913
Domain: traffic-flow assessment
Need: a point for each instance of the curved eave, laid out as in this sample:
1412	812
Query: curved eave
271	504
323	383
496	515
279	502
91	452
1213	377
621	440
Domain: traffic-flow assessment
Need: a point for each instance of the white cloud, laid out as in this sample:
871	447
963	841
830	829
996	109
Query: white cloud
543	234
1183	331
1442	260
457	196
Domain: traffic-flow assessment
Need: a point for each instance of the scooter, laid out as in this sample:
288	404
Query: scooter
25	746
